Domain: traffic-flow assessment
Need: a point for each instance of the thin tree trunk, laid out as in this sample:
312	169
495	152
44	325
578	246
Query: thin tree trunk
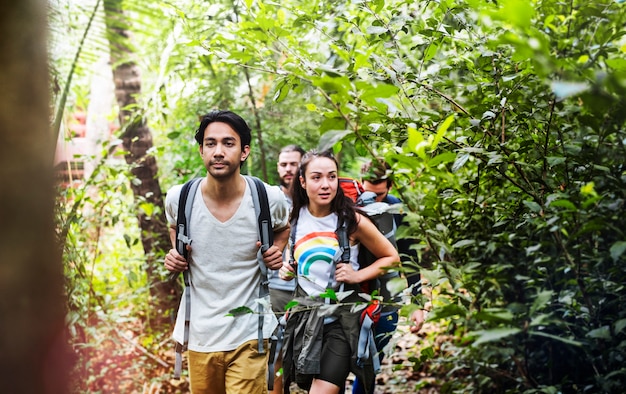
137	141
34	356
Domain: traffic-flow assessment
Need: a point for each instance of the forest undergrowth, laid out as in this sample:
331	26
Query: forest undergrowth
124	358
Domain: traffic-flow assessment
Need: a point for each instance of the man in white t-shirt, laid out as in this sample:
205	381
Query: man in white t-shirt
223	269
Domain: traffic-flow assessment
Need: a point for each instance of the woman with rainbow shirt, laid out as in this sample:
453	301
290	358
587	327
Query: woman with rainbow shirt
322	334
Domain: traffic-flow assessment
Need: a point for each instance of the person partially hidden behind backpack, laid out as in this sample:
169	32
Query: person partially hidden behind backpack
321	344
224	273
375	178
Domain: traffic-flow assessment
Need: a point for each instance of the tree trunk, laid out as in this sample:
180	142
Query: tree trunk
33	342
137	140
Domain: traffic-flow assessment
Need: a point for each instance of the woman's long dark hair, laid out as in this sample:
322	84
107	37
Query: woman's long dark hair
341	204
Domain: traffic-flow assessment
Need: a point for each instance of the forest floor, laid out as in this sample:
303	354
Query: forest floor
119	363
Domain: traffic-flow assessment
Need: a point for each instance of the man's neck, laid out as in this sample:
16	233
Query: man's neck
221	189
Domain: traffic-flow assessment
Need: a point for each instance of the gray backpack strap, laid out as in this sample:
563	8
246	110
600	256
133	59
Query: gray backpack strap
262	209
185	204
292	259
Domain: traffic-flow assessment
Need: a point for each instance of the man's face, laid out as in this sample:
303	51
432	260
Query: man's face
380	189
288	167
221	150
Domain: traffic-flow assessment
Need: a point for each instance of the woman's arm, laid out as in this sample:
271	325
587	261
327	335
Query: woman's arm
368	235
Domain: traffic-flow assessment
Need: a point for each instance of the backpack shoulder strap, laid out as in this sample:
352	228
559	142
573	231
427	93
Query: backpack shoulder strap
262	208
344	242
266	236
185	203
292	244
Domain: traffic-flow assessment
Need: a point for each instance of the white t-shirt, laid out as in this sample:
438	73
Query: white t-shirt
224	272
317	250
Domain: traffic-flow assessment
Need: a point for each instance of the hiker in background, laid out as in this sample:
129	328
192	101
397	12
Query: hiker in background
321	360
224	271
376	178
281	291
288	161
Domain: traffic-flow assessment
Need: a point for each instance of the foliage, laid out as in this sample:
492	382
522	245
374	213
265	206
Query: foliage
503	123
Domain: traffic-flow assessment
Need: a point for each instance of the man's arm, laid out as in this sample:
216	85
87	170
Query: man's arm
174	262
273	257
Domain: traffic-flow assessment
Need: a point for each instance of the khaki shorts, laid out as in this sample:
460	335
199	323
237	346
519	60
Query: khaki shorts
243	370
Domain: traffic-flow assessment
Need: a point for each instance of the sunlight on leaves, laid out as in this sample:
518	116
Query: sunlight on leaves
563	90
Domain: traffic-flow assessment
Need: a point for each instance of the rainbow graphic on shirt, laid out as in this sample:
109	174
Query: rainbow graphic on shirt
313	248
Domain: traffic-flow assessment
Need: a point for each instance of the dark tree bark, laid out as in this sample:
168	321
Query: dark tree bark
34	356
137	140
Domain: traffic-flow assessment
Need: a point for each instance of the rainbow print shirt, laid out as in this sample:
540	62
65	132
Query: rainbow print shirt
317	251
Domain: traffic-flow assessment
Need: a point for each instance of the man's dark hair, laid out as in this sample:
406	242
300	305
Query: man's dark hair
377	172
292	148
232	119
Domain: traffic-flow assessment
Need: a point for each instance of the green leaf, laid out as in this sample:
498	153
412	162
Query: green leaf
441	131
588	189
242	310
431	51
603	332
331	137
416	142
445	157
460	161
495	315
617	250
517	12
147	208
281	92
396	285
541	301
329	293
493	334
619	325
463	242
533	206
616	64
567	204
556	338
376	30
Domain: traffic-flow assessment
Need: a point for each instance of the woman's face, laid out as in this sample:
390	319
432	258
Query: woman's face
320	181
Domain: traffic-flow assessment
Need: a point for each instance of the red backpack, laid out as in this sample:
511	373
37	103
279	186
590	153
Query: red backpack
351	187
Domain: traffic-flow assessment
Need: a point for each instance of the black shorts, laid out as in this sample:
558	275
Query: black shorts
335	362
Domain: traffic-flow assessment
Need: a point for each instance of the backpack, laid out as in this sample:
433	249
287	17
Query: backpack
351	188
266	235
382	217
